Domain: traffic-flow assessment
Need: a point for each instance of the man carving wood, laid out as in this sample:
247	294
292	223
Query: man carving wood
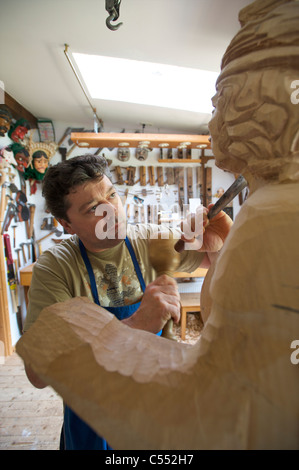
237	387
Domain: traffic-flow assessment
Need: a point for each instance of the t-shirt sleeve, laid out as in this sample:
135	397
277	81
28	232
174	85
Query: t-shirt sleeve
48	286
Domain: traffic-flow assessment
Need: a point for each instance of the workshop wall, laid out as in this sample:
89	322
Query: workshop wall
135	197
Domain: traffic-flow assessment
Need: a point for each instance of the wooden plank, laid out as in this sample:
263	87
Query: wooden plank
190	182
18	111
170	175
111	139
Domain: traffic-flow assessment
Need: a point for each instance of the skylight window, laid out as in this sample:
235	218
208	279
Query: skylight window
147	83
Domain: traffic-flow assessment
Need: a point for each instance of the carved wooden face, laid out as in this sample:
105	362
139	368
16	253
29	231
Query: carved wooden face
19	133
218	126
142	153
4	126
41	164
123	154
254	127
22	160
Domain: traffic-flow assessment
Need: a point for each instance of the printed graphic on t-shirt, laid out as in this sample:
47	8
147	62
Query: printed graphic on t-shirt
116	287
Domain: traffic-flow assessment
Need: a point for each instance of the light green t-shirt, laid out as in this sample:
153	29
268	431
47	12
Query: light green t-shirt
60	272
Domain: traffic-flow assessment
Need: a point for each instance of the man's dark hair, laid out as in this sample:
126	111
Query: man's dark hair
62	178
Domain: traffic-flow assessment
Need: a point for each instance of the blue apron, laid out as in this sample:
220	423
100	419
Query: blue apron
77	435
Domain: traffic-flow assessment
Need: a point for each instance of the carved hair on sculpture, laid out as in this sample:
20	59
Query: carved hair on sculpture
254	127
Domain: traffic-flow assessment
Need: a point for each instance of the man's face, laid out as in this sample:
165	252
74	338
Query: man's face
96	215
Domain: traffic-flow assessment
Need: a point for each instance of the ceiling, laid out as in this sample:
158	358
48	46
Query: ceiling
36	73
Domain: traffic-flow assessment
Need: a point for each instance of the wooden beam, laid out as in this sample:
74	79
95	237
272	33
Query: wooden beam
18	111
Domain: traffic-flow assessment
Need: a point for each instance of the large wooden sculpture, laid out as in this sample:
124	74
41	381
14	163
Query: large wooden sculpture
238	387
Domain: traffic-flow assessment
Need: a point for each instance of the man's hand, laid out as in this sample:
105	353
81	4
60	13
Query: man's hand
215	231
160	302
209	234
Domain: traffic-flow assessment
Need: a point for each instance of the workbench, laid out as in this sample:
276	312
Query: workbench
25	279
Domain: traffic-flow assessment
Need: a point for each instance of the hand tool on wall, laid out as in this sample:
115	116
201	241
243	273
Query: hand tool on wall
180	181
30	222
142	175
131	170
119	175
22	209
31	232
151	175
63	150
208	186
2	204
11	278
160	176
180	153
19	310
169	175
28	244
17	250
205	179
57	232
14	235
199	182
190	182
169	154
22	245
10	213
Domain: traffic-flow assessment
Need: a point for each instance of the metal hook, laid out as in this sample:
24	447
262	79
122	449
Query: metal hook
110	26
112	6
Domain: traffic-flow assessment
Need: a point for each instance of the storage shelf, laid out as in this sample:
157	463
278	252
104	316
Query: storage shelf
104	139
179	160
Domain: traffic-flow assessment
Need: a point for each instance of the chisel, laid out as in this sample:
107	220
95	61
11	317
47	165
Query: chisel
238	185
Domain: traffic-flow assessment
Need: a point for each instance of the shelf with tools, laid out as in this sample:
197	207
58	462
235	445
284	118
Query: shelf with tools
113	140
179	160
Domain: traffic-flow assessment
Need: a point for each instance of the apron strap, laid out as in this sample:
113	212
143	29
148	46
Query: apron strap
136	265
93	285
90	272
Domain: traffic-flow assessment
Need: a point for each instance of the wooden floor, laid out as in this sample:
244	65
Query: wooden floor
30	419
